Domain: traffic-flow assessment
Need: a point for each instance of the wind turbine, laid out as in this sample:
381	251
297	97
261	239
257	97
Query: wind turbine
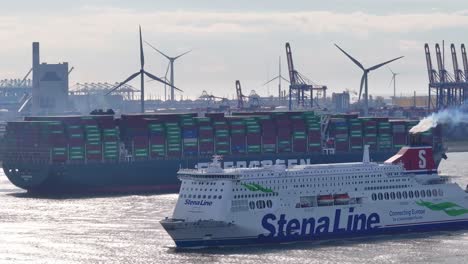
142	73
171	64
279	77
364	77
394	74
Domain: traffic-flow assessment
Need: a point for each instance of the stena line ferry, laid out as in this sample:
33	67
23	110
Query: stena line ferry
275	204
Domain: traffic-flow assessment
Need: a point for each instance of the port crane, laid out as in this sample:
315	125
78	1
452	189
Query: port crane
212	98
299	85
253	97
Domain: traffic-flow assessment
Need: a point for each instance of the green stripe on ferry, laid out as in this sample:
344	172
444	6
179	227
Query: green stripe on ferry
256	187
451	209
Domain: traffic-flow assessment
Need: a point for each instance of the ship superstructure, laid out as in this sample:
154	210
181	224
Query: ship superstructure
274	204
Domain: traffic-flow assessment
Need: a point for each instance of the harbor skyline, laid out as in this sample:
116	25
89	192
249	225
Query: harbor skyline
233	41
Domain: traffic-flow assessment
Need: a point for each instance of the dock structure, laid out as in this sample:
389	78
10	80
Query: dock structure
446	89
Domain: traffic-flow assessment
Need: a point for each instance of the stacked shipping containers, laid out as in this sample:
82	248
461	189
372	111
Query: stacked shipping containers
157	138
399	134
268	134
369	127
238	143
222	140
206	136
93	147
355	134
299	138
97	138
253	136
339	132
283	126
384	138
314	134
189	135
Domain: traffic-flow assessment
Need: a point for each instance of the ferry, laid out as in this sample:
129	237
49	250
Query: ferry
274	204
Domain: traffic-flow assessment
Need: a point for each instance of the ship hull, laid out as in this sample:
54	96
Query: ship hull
147	175
305	225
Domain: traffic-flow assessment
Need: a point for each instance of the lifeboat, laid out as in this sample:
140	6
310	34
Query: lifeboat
342	198
325	199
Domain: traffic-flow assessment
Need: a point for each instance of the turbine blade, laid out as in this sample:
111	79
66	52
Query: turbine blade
390	69
271	80
124	82
362	85
167	70
351	58
284	79
161	80
160	52
182	54
142	56
383	63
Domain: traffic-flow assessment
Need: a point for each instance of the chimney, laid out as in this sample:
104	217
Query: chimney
35	62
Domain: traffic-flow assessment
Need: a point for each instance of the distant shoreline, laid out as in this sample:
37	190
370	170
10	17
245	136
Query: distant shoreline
456	146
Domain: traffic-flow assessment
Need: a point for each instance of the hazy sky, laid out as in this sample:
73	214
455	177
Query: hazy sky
232	40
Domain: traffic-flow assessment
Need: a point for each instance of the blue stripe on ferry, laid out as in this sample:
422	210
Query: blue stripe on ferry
390	229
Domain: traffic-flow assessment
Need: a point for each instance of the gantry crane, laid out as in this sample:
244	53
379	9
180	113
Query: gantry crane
299	84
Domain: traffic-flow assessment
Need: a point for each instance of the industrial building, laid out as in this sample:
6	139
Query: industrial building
50	86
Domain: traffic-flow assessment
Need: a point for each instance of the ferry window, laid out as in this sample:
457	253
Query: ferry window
209	197
428	193
204	196
269	203
374	196
416	194
386	196
434	192
219	197
259	205
252	205
398	195
215	196
262	203
441	193
405	195
199	196
410	194
380	196
423	194
189	196
392	195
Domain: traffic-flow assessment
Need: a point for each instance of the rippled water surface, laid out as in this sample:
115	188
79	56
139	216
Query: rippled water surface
125	229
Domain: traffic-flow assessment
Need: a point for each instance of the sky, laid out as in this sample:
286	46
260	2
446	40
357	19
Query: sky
233	40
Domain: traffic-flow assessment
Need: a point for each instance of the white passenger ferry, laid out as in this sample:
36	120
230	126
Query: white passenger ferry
274	204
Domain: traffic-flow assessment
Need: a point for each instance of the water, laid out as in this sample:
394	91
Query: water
125	229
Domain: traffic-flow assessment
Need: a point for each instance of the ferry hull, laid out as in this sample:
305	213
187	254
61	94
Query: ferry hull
257	232
143	176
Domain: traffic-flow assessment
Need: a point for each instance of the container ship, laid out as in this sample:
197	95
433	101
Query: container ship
142	152
274	204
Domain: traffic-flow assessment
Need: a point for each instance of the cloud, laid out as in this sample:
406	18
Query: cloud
105	21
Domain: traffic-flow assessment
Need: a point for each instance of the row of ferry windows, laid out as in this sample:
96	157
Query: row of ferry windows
196	189
255	195
204	183
194	196
260	204
385	187
409	194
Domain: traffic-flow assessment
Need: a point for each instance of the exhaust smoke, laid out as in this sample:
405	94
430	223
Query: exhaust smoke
450	117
